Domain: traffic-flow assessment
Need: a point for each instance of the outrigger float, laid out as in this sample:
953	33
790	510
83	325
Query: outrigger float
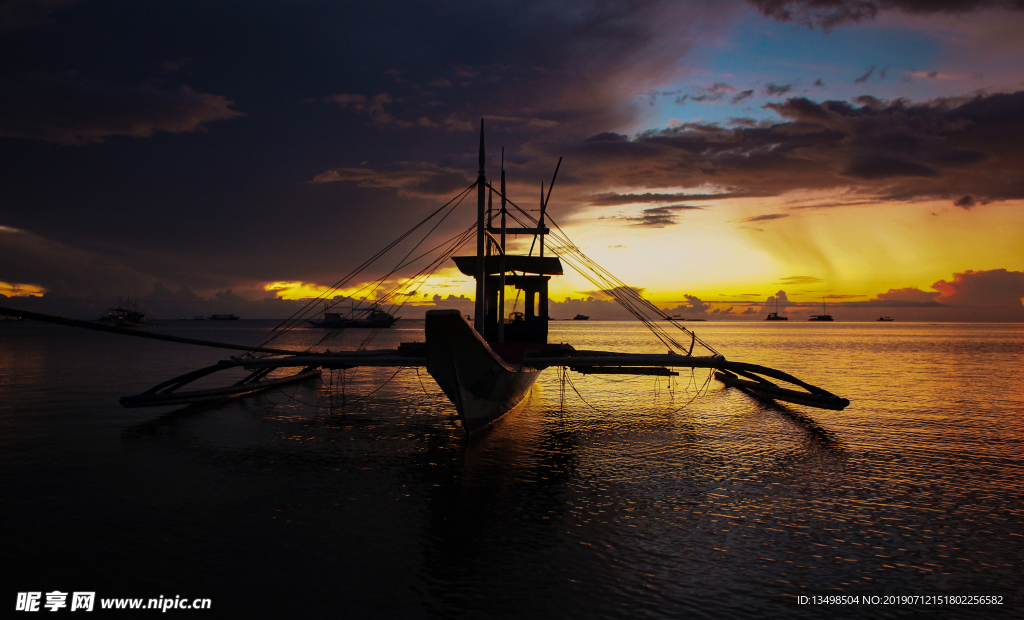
488	367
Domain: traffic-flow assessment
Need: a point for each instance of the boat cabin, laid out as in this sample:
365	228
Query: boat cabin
528	274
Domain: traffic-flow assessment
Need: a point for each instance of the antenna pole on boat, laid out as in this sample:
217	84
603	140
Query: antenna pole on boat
501	275
541	225
544	202
481	272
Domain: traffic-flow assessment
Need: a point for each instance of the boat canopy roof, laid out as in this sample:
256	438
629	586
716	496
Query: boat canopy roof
540	265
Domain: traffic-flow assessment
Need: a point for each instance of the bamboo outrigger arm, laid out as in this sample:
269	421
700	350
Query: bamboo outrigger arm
138	333
584	362
747	377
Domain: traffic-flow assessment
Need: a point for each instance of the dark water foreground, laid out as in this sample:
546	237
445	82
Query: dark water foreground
627	504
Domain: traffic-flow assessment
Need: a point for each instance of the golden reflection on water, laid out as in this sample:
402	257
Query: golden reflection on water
640	493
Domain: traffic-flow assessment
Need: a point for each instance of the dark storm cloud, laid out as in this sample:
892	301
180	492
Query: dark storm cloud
28	258
604	200
25	13
411	179
882	166
658	217
828	14
965	202
945	149
382	100
71	109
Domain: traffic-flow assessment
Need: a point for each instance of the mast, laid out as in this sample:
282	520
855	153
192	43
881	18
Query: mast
481	271
490	216
501	275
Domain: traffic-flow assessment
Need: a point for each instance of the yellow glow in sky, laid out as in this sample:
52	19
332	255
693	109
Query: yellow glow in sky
295	290
730	249
444	282
20	290
761	246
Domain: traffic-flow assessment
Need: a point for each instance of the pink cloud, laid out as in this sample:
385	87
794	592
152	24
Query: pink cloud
993	289
908	294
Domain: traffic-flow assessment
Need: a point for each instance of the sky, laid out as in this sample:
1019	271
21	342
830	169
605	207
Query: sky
234	156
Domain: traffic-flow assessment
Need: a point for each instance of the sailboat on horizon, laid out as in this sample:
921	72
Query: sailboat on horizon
824	316
774	316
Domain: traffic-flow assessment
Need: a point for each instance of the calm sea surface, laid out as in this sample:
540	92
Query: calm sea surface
615	498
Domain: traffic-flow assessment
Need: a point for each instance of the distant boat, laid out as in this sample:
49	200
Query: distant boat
886	318
581	317
223	317
373	317
774	316
823	316
125	314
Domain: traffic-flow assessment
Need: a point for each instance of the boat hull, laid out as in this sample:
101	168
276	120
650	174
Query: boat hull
482	386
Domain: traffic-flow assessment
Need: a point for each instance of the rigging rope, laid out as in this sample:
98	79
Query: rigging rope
299	316
626	296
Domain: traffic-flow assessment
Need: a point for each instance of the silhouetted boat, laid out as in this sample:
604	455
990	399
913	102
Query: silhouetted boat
823	316
581	317
774	316
488	367
223	317
885	318
372	317
126	314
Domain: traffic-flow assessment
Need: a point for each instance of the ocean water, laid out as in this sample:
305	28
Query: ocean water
601	497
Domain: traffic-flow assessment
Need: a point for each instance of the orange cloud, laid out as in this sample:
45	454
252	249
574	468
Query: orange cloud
20	290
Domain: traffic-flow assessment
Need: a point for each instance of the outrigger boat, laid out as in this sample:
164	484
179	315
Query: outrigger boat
489	366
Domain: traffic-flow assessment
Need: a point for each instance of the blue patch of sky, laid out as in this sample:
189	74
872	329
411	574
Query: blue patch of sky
762	52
